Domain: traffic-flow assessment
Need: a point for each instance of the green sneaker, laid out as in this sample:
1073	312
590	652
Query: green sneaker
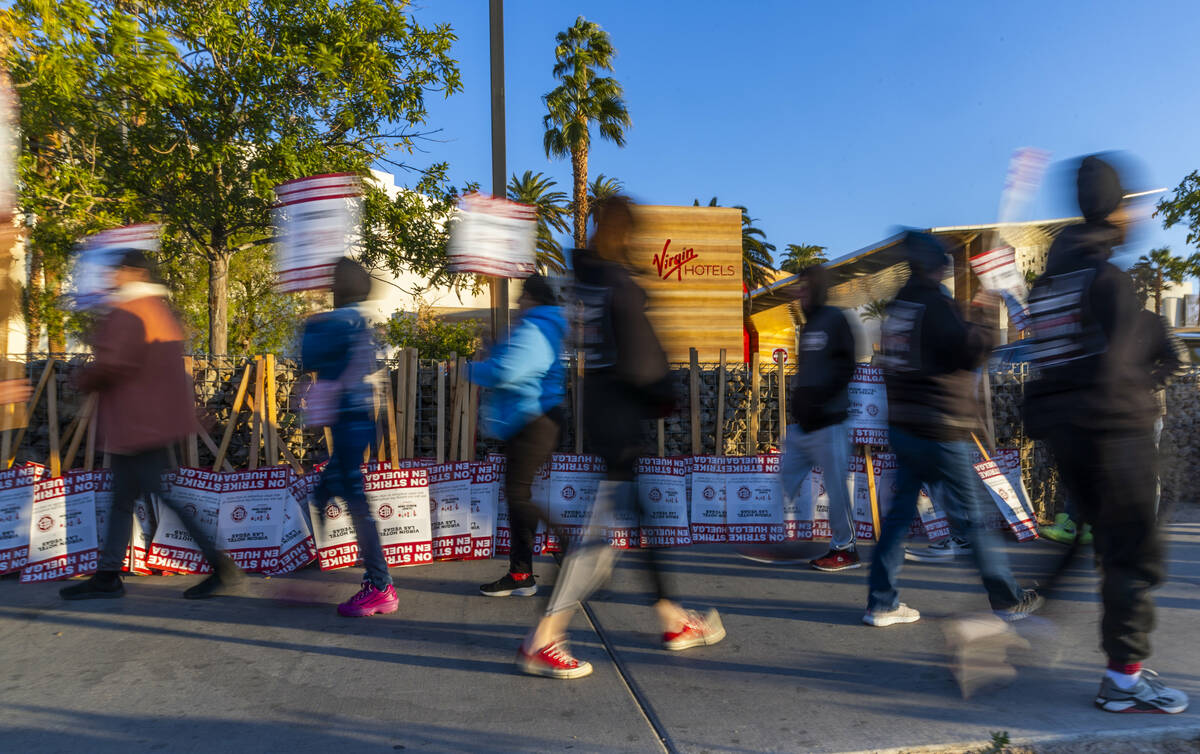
1061	531
1085	534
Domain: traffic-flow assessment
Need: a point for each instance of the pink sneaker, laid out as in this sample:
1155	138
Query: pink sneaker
369	601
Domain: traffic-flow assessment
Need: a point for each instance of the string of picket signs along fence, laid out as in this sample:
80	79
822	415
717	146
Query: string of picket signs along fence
439	500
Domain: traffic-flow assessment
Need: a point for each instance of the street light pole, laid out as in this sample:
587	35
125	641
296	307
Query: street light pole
499	286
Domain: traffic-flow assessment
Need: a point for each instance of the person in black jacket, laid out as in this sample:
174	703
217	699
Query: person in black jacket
625	381
1093	403
929	357
818	403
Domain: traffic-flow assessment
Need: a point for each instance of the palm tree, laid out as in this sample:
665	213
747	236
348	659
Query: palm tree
1153	271
876	309
756	252
580	99
537	189
797	256
602	187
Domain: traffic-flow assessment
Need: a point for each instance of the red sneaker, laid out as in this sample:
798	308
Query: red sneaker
837	560
697	631
552	661
369	601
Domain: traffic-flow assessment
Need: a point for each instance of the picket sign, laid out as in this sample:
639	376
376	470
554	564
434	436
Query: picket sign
62	534
450	510
708	496
141	528
571	489
99	254
316	219
16	507
493	236
867	413
998	272
485	491
753	499
663	500
250	522
196	494
1013	507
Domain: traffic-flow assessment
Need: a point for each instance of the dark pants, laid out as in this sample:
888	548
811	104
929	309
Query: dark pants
139	476
947	465
612	428
525	453
342	478
1110	478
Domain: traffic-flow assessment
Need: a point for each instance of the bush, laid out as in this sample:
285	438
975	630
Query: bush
433	338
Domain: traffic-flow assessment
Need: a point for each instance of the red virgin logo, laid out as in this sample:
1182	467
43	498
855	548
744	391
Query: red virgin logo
669	264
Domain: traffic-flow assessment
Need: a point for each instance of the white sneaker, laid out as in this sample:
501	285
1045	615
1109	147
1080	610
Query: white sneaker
938	552
902	614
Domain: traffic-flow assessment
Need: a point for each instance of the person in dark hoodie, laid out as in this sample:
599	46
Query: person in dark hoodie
525	383
929	357
1092	401
819	402
625	381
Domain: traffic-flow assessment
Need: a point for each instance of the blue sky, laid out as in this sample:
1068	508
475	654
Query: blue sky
836	122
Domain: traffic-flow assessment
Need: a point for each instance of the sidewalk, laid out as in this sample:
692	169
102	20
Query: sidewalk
276	669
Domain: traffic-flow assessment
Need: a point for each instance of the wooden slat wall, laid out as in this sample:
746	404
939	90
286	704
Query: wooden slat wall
695	309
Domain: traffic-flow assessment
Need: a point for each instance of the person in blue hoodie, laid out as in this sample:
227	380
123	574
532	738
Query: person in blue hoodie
525	383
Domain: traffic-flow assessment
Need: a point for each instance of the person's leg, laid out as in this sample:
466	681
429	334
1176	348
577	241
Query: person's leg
911	458
830	449
350	438
525	454
149	468
964	505
126	488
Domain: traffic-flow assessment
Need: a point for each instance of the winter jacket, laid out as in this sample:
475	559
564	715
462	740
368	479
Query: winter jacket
617	340
146	400
524	376
929	357
1092	365
825	362
335	341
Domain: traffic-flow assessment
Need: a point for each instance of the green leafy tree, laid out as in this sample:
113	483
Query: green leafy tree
756	251
433	337
199	109
1183	206
602	187
582	98
797	256
1153	271
538	190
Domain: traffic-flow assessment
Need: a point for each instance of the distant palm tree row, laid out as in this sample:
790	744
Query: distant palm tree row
581	99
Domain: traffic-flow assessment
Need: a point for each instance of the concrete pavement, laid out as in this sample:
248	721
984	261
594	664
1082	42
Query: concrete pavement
277	670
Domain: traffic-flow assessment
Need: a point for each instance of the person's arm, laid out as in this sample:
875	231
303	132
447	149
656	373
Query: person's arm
1162	349
118	351
527	354
843	354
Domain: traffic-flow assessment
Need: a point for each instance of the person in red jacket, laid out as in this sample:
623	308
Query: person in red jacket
145	404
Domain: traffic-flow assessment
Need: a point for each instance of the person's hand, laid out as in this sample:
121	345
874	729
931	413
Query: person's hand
15	391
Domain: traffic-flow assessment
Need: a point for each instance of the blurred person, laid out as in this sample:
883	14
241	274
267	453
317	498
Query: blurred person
625	381
819	401
525	383
1093	403
930	354
339	347
145	405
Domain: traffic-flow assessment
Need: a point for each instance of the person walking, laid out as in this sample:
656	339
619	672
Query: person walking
1093	403
145	404
339	347
525	384
929	357
625	381
818	435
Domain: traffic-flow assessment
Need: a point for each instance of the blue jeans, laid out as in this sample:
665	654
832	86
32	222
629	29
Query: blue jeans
948	465
829	448
343	478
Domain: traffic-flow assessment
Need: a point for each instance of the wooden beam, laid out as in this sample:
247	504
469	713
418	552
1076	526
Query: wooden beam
193	450
401	405
440	454
466	433
239	398
719	432
390	409
270	416
52	420
84	421
256	422
212	448
413	377
456	395
29	407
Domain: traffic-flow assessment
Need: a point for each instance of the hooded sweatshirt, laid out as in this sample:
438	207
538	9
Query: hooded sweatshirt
524	375
1089	348
825	361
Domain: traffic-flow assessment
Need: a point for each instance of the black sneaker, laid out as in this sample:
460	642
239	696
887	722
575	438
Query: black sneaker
226	579
103	585
507	586
1030	603
1147	695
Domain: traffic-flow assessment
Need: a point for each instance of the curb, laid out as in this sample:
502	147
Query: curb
1146	735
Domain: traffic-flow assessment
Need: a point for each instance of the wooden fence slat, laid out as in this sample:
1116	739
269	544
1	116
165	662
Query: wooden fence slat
83	421
193	450
456	395
466	435
440	455
271	416
719	433
401	405
390	409
238	399
29	407
52	419
257	413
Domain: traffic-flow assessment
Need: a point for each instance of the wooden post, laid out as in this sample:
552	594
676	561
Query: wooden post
781	388
455	409
720	429
662	437
390	408
270	415
414	387
472	416
870	468
238	400
256	425
579	363
376	410
52	420
466	433
328	440
752	420
694	399
440	455
401	406
84	422
29	407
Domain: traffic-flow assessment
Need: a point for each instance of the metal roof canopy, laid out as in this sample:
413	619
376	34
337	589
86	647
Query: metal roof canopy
879	270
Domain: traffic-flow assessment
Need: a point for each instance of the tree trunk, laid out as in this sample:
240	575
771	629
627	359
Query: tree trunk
218	302
579	170
1158	286
55	335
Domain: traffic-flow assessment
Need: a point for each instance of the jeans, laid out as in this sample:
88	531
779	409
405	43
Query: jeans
525	453
829	448
343	478
922	460
135	476
1111	477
